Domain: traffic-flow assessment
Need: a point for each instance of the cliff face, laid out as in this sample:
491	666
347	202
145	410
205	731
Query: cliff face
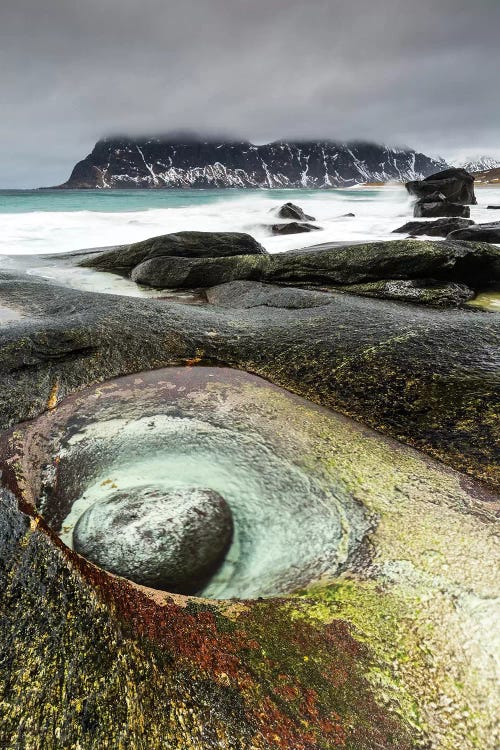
164	163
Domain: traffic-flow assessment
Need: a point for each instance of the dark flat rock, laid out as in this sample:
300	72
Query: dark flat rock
478	233
423	209
438	228
294	227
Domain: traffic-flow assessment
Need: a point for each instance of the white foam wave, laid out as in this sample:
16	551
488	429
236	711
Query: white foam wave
378	211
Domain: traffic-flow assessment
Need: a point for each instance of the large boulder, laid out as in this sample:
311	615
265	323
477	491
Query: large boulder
291	211
193	273
438	228
426	209
173	540
478	233
294	227
474	264
457	186
179	245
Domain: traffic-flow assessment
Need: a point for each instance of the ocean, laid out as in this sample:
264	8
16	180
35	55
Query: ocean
57	221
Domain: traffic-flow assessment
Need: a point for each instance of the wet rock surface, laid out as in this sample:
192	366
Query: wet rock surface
247	294
478	233
428	209
187	273
173	540
438	228
369	656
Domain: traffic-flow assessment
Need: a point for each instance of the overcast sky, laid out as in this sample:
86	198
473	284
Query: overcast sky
423	73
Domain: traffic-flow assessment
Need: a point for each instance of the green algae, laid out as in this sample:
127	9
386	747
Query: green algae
486	301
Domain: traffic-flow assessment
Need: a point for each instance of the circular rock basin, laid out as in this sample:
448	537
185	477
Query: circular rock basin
213	482
194	480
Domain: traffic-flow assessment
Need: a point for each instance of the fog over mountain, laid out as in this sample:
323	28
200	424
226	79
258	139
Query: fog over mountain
394	72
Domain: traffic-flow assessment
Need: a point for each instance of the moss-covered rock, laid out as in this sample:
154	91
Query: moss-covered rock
421	292
437	228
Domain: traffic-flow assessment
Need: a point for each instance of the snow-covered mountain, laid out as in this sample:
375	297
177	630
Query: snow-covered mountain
192	163
480	164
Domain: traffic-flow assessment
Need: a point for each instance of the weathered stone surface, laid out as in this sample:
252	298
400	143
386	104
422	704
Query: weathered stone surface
438	228
294	227
478	233
291	211
443	208
172	540
247	294
179	245
422	292
457	186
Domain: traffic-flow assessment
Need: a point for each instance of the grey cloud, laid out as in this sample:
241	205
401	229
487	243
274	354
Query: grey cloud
422	73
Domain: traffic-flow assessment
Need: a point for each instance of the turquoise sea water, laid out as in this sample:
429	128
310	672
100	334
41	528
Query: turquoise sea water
26	201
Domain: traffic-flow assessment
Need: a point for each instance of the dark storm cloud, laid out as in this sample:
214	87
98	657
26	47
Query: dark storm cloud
423	73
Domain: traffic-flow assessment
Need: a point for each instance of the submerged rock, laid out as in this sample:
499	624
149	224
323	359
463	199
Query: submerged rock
438	228
291	211
423	209
179	245
456	185
478	233
294	227
173	540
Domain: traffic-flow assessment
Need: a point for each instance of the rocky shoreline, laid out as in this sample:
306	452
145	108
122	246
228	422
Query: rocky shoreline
365	652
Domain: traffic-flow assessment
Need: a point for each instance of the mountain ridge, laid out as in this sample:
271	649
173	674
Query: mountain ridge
167	162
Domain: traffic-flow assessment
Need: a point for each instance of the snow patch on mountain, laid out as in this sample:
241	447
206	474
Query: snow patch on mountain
161	163
480	164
